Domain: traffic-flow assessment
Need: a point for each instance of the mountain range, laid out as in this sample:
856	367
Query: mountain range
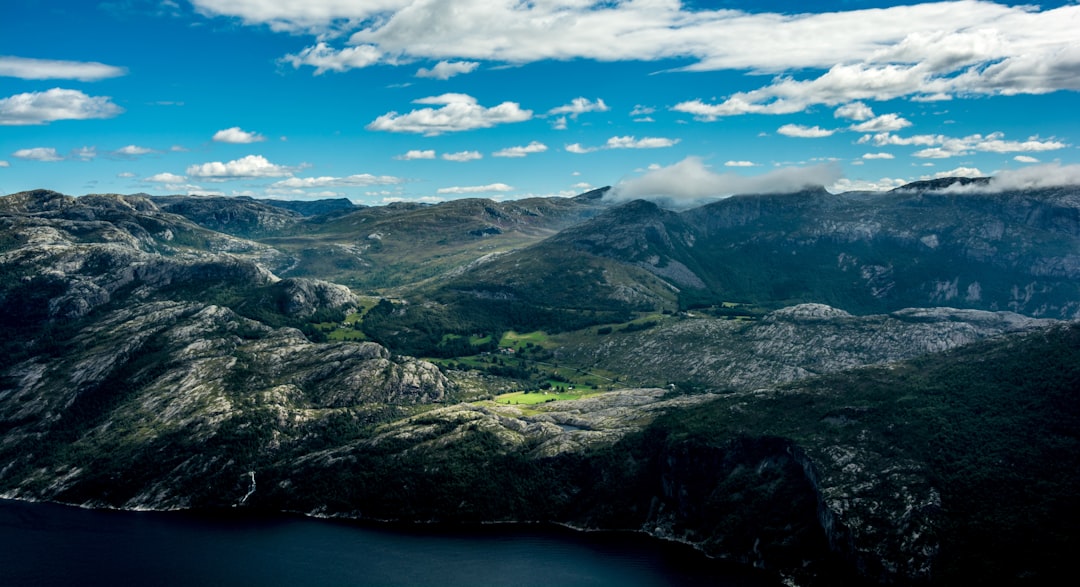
832	387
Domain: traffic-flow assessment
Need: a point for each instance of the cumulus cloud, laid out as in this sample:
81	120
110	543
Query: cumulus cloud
463	156
167	178
878	156
804	132
459	112
38	154
34	108
854	111
739	164
521	151
362	179
579	106
4	163
447	69
85	71
413	154
237	136
883	123
690	182
1025	159
476	189
324	58
252	166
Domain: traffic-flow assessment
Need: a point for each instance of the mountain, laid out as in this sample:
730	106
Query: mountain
917	246
781	380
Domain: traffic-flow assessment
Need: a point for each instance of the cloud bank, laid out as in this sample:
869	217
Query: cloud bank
932	50
689	183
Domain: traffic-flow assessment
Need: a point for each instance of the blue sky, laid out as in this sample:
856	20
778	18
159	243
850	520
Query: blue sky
426	100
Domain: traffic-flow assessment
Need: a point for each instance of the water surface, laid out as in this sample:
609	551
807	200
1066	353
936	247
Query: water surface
48	544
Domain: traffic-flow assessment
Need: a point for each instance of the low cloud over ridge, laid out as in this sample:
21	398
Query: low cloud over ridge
689	182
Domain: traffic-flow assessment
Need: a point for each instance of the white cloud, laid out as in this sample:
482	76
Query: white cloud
166	177
362	179
178	149
84	153
625	142
1047	175
854	111
463	156
55	104
237	136
942	146
640	110
38	154
476	189
918	51
85	71
804	132
4	163
133	151
630	142
125	174
958	172
740	164
533	147
878	156
558	123
582	185
863	185
1025	159
883	123
579	106
413	154
690	182
459	112
323	58
447	69
1037	176
248	167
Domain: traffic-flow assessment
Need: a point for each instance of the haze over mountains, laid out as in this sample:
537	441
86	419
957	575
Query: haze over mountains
690	372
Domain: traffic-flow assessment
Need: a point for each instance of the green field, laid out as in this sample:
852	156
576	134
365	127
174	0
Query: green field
540	397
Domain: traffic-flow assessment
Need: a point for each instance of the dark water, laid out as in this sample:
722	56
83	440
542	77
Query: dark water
46	544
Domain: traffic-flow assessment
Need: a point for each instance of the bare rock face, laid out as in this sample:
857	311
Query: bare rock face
303	297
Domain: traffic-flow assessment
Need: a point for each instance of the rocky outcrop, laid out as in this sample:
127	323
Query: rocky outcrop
303	297
788	344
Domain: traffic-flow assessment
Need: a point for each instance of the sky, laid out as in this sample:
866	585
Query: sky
429	100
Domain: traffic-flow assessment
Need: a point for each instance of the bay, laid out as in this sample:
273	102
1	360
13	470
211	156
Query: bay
51	545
